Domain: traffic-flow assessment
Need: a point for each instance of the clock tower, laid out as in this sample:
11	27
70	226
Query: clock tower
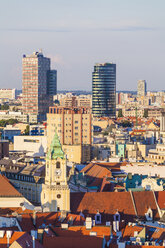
55	195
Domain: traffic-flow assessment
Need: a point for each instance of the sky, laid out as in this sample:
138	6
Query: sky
77	34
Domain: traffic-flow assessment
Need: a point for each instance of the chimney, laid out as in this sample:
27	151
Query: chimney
111	234
88	223
8	236
34	217
63	214
33	238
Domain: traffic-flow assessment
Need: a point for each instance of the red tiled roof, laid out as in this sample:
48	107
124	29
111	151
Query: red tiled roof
15	236
95	170
11	211
26	222
6	188
70	242
26	241
109	202
160	196
45	219
129	231
106	186
78	231
155	233
144	200
106	202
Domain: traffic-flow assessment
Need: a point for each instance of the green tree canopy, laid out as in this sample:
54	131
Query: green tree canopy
145	113
120	113
26	132
4	107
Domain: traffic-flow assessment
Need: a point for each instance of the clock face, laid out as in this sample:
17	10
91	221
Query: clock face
58	172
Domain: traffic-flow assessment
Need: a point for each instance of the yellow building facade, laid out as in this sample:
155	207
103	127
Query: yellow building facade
74	129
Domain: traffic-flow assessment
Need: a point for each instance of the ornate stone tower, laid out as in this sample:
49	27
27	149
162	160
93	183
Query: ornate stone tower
55	195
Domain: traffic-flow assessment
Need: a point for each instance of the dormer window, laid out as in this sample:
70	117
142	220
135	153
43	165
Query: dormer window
98	218
149	214
117	216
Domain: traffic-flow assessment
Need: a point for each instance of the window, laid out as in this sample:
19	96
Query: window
58	196
58	165
117	217
98	217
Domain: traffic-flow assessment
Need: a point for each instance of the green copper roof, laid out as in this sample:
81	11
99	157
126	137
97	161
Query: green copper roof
55	150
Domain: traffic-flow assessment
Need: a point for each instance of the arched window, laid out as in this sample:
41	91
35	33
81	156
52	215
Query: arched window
58	165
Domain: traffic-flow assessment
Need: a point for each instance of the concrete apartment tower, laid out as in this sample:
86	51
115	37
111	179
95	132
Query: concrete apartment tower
104	90
55	195
142	88
37	81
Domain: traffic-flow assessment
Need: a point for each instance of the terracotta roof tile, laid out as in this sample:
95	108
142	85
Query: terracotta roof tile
106	202
70	242
26	241
6	188
12	211
129	231
74	231
15	236
144	200
160	196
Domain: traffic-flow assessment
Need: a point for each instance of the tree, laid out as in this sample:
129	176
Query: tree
2	123
145	113
26	132
4	107
126	124
120	114
12	121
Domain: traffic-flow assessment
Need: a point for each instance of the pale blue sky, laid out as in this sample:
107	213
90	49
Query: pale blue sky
77	34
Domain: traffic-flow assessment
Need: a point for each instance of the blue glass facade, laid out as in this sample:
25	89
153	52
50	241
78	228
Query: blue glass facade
104	90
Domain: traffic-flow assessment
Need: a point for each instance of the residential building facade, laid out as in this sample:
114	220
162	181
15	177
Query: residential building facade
142	88
74	129
35	85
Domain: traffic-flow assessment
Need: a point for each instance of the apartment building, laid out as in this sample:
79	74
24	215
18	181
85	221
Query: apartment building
74	129
38	85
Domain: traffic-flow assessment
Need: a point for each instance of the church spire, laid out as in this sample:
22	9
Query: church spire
55	150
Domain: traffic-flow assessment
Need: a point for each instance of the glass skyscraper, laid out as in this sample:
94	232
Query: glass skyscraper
104	90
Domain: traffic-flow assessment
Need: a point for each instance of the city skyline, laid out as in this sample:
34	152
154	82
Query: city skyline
77	35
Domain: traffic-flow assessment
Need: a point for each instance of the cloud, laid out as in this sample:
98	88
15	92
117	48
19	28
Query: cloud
133	28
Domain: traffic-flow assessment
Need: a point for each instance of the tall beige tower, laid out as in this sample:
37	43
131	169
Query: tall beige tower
55	195
142	88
